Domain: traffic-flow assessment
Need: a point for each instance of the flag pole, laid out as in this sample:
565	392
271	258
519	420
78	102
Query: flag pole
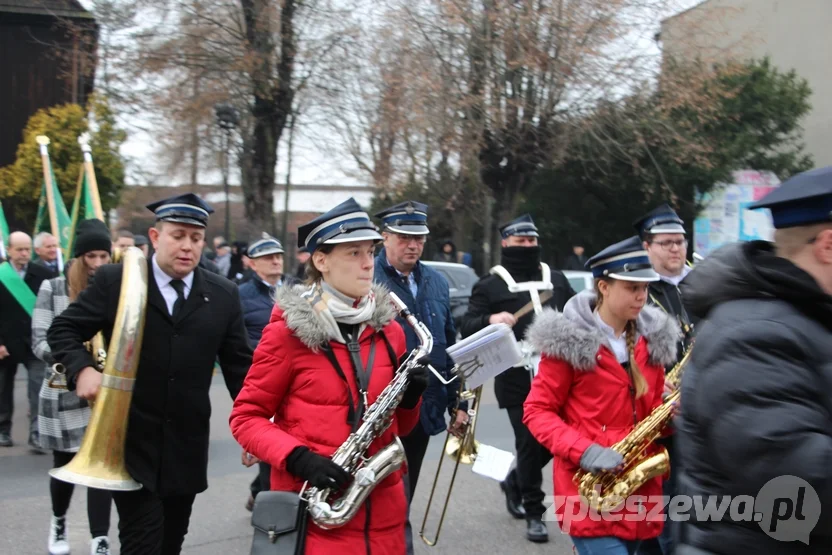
84	141
43	141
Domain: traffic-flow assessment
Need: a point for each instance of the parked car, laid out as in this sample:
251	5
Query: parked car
579	280
461	280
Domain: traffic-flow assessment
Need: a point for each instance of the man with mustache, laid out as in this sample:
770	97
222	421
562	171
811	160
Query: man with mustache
425	292
192	318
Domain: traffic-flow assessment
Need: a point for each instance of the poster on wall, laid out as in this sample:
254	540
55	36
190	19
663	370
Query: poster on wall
726	217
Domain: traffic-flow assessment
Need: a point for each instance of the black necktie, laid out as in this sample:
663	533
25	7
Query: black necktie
179	285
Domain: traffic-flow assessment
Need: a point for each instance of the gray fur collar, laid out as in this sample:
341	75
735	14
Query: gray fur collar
573	336
300	317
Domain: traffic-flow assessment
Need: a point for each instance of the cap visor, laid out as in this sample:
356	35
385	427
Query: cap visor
182	220
409	230
525	234
667	228
645	275
354	236
267	252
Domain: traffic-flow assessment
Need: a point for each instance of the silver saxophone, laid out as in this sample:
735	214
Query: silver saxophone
329	513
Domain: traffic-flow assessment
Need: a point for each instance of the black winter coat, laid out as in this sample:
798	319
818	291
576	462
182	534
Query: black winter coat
490	295
15	323
756	402
168	428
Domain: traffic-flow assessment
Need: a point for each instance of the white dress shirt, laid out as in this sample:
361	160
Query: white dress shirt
163	281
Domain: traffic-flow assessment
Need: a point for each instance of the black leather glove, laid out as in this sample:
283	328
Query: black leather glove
319	471
418	383
596	459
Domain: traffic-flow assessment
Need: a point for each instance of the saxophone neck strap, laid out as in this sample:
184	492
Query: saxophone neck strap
362	377
533	288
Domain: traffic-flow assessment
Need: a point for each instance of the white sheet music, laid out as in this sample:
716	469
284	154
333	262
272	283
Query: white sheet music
492	462
485	354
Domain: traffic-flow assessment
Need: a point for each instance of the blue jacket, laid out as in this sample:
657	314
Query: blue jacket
432	307
257	305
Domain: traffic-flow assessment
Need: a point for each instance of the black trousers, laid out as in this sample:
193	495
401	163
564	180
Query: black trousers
152	525
415	446
527	475
8	368
261	482
99	501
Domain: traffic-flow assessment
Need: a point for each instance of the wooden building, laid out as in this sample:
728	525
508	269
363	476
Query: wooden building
47	58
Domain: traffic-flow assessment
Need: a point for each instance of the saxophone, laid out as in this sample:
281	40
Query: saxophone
605	491
329	513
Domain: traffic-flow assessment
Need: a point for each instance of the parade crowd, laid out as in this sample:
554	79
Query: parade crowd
305	357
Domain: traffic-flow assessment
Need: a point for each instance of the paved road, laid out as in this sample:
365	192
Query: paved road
477	521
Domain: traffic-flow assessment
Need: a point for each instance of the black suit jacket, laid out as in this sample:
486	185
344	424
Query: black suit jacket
491	296
168	429
15	323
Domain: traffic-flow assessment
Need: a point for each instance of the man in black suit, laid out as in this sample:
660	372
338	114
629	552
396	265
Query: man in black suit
519	279
19	284
193	317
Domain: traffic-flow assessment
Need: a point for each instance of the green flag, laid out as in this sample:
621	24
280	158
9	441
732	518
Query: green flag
52	215
83	208
4	232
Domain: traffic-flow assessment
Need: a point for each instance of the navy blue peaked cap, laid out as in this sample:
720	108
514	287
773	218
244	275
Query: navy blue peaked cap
522	226
183	209
408	218
626	260
262	247
345	223
804	199
662	219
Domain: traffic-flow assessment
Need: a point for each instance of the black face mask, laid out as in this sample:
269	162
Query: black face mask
521	262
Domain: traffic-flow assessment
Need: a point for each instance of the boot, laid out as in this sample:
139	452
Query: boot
536	531
514	501
58	543
100	546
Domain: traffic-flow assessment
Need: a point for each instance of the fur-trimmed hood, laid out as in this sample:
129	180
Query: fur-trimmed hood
300	316
573	335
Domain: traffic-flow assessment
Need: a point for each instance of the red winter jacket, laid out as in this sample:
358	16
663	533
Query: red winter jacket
581	396
301	389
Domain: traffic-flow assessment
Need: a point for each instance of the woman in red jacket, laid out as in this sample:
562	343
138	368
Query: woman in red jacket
305	393
601	372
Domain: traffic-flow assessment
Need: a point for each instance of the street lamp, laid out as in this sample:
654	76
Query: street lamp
227	119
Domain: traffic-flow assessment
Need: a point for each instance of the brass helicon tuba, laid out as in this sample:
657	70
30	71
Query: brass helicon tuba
605	491
100	461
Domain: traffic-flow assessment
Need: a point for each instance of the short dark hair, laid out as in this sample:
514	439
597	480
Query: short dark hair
126	233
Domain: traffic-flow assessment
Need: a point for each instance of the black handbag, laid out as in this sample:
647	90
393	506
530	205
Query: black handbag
279	519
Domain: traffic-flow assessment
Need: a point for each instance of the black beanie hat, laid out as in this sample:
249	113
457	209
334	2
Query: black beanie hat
92	235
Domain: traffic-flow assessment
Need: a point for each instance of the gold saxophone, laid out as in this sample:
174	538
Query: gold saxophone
605	491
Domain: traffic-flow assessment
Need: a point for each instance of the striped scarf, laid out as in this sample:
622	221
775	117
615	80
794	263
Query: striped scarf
333	307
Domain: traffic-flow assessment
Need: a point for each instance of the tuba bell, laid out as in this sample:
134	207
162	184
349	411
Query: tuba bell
99	462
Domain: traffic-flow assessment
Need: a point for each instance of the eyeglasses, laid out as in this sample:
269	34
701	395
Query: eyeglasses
407	239
670	243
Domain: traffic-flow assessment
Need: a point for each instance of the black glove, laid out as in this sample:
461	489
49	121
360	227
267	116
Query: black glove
597	458
319	471
418	383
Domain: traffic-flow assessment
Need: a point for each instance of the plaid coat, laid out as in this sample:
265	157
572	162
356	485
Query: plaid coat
62	415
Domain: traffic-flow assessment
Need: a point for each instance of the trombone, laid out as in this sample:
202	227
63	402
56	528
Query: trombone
463	450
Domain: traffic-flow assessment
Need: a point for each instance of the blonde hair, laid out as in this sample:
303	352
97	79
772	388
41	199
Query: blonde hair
77	277
790	241
639	382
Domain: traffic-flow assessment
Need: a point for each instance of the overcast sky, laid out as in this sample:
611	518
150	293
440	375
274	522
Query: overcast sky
310	165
